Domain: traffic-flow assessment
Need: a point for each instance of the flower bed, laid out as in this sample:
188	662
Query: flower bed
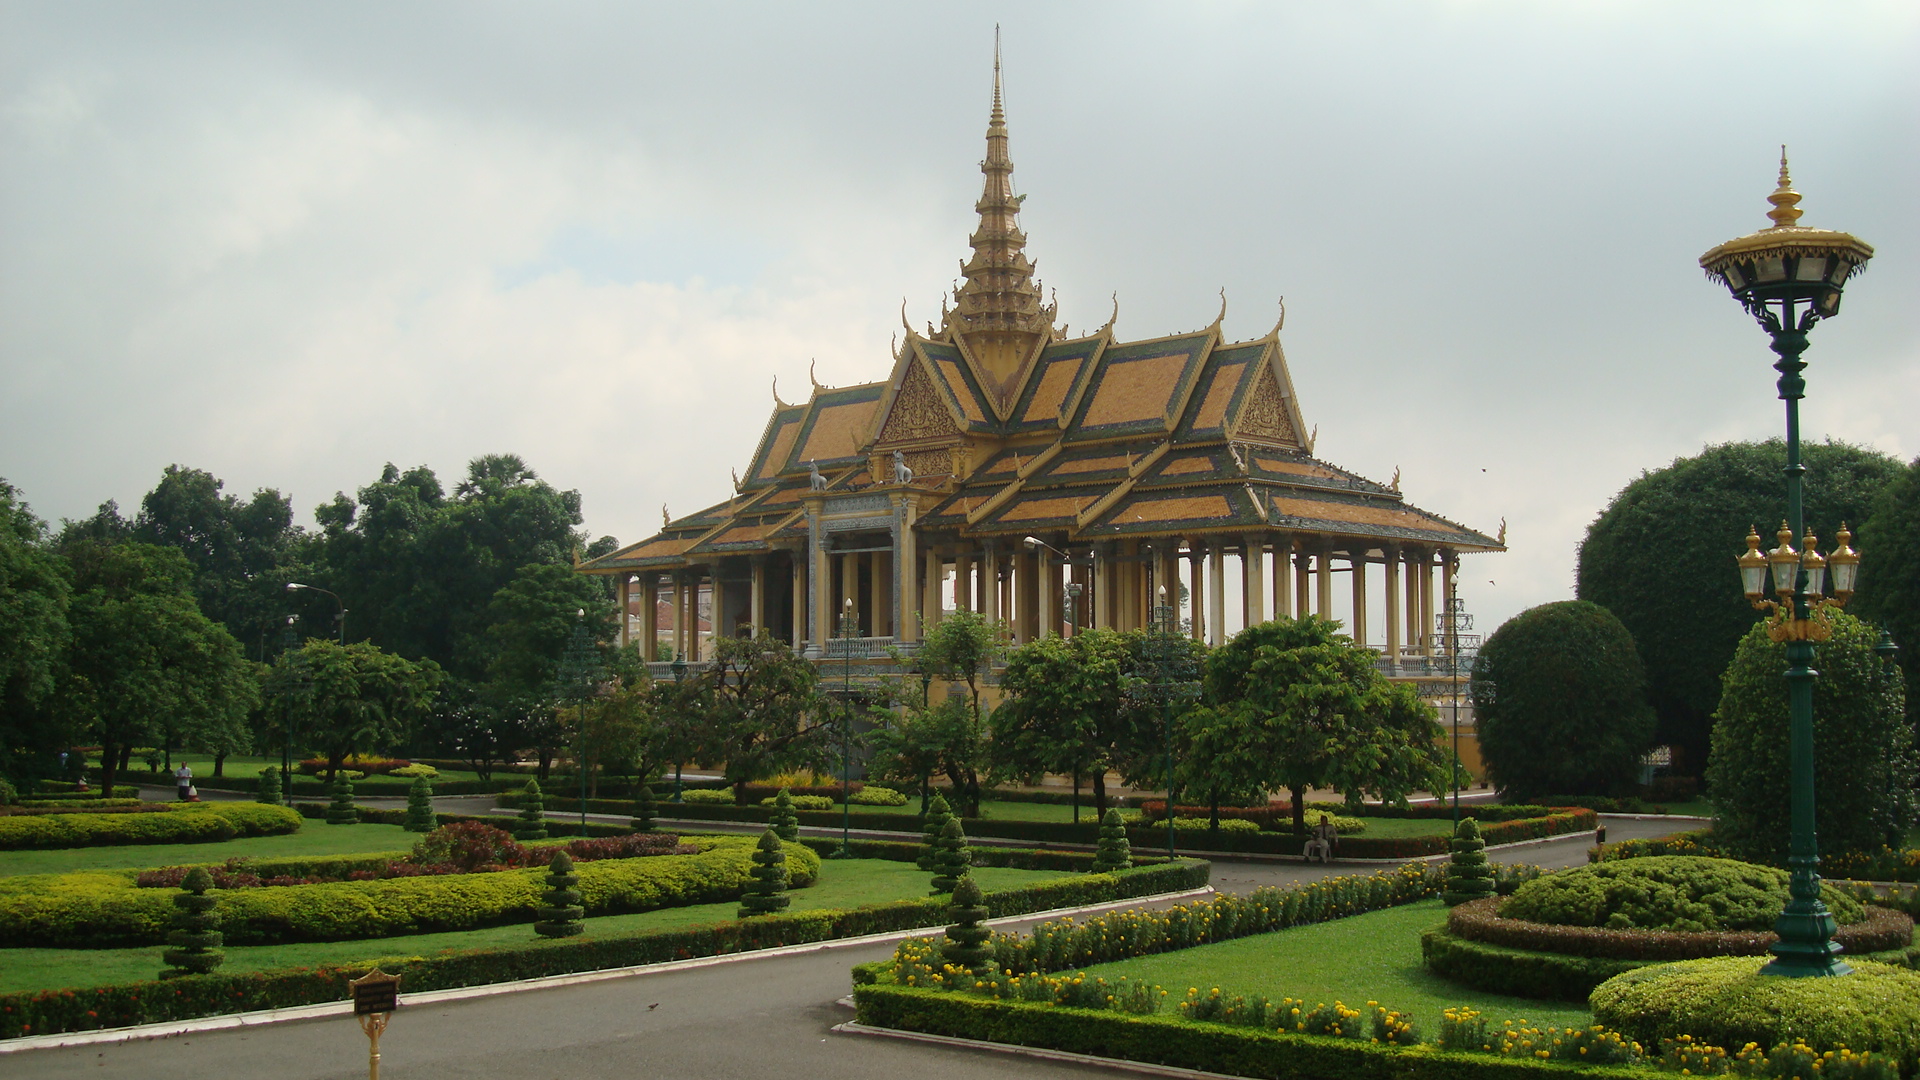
1887	864
1479	920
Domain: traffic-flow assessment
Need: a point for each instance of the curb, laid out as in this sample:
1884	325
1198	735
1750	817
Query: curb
549	982
853	1027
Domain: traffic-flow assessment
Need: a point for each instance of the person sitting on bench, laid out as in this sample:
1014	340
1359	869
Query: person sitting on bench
1320	846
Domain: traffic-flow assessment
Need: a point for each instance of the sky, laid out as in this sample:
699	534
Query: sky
291	243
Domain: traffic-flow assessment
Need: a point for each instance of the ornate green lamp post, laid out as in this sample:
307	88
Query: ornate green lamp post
849	629
1789	277
1170	679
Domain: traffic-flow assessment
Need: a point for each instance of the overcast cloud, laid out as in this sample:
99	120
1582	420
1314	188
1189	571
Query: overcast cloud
288	244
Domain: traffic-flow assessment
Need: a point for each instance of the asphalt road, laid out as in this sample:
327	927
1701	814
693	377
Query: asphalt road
764	1017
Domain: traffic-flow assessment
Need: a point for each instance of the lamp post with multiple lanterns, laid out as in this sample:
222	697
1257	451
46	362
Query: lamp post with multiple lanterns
341	618
1789	277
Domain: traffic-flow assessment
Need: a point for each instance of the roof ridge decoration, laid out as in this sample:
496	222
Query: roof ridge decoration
1000	318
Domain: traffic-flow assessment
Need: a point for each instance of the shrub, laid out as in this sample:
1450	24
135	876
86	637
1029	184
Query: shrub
938	814
195	937
268	791
1571	713
420	805
951	857
177	823
1114	852
468	846
768	893
8	793
1468	877
783	822
645	810
342	811
1230	825
872	795
799	802
1865	768
560	912
416	770
965	944
1725	1001
1670	892
708	796
533	823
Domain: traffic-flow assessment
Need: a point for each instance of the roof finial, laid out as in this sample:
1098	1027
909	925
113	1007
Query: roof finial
777	403
816	382
1222	317
997	116
1786	201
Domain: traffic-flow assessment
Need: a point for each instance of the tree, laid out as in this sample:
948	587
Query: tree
932	823
952	858
533	821
762	709
618	731
961	647
1068	709
966	939
145	666
1560	703
1889	541
1114	852
268	790
1660	557
1302	706
194	938
1865	769
560	913
783	821
910	743
352	698
342	811
1468	877
34	637
420	806
768	892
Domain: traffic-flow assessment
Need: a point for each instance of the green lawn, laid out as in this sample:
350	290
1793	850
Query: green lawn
314	838
1371	957
236	768
843	884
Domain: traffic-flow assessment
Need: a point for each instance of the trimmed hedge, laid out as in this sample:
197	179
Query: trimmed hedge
1877	930
1533	973
184	823
81	798
50	1011
1672	892
106	910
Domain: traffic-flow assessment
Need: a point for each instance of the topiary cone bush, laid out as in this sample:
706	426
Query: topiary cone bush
952	858
768	893
645	810
938	814
420	806
784	822
966	944
1115	853
533	823
342	811
560	913
1468	876
195	936
269	790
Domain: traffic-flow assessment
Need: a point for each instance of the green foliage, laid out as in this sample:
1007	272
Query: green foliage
951	857
1890	573
1865	764
560	913
961	647
966	938
1303	707
181	823
1669	892
797	802
768	893
34	633
875	795
194	940
645	808
1570	713
1528	973
937	816
420	806
533	822
1726	1002
342	811
1114	853
708	796
416	769
350	699
783	822
1067	710
1468	876
762	709
1660	557
268	791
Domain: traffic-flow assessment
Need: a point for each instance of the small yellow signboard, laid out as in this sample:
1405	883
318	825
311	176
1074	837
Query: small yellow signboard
375	997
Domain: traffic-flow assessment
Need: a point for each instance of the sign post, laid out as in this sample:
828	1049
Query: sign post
375	996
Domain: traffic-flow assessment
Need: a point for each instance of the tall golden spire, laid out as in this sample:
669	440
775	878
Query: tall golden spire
998	306
1786	201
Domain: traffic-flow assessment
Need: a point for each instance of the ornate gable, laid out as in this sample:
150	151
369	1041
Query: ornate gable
1266	416
919	412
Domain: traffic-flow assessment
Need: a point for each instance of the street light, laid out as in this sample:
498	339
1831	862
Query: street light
849	629
1073	588
1170	678
1788	277
341	618
679	667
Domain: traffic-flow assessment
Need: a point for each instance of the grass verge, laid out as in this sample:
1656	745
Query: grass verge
312	839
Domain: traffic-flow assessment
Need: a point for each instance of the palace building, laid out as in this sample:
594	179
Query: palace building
1049	481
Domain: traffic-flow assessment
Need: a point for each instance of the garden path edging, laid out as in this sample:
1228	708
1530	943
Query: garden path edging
854	1027
433	997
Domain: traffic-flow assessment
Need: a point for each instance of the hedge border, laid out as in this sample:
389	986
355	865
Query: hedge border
1479	920
1536	973
1188	1044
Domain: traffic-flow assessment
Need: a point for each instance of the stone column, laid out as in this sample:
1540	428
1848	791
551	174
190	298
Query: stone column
930	603
1216	593
717	607
1359	628
1410	596
757	598
990	581
1197	591
1393	605
906	569
879	589
798	581
680	615
1282	577
1323	583
825	600
1102	614
849	590
1426	603
650	616
1302	584
1253	568
963	579
1046	596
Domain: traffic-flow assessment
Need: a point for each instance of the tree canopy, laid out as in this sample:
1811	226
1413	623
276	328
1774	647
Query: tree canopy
1889	543
1067	709
961	647
1661	558
353	698
762	708
34	633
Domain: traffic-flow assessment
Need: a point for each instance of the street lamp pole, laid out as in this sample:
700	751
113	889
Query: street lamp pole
679	673
849	629
294	586
1072	590
1789	277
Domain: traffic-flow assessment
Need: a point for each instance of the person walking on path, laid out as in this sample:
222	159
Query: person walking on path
183	781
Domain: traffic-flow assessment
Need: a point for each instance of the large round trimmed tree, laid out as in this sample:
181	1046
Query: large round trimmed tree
1560	703
1660	557
1889	543
1865	768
